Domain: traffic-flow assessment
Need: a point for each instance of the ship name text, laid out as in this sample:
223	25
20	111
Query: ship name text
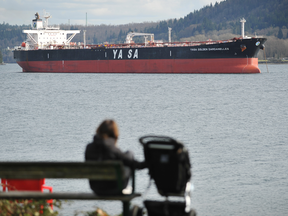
209	49
118	54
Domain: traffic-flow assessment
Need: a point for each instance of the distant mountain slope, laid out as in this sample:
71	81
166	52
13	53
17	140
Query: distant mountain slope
259	14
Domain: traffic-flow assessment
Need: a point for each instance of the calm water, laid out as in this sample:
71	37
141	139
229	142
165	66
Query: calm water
235	127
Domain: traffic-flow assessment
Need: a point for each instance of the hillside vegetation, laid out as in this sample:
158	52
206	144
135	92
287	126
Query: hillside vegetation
1	58
259	14
219	21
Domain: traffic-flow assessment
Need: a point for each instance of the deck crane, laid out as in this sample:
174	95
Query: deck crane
130	36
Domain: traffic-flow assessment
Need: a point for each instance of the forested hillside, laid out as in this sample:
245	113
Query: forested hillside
220	21
259	14
10	36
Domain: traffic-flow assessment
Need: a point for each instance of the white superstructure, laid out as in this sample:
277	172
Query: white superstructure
44	37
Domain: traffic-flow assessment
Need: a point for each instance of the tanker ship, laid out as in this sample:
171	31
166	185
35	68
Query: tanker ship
49	49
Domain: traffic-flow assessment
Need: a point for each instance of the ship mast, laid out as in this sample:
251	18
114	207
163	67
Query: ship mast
242	27
46	16
169	30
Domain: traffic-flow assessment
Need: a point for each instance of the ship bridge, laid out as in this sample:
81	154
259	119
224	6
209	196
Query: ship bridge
42	36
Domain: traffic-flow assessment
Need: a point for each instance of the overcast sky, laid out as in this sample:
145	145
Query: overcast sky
113	12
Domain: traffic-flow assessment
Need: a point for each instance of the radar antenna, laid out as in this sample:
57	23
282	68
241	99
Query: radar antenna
46	16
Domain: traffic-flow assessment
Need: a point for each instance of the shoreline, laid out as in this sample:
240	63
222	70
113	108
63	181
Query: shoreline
273	61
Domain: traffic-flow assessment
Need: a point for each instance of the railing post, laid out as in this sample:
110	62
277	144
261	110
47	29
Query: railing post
133	181
126	206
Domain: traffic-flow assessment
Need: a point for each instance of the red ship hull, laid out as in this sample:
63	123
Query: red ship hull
217	65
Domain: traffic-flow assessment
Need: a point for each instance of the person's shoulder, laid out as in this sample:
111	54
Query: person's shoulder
95	141
110	142
89	145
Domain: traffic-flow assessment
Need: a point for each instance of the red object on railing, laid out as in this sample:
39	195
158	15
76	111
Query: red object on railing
26	185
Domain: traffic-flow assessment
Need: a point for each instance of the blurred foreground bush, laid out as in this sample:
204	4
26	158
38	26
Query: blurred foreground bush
39	208
28	208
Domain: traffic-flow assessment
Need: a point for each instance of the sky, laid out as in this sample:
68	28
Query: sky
112	12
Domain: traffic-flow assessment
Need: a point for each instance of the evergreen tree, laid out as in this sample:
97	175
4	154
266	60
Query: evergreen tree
1	58
280	34
95	41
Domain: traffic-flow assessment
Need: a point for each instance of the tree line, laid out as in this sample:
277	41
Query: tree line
10	36
259	14
1	58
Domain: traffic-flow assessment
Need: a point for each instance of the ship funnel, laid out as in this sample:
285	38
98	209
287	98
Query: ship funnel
242	27
37	22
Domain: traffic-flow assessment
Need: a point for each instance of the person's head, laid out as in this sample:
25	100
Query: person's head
108	129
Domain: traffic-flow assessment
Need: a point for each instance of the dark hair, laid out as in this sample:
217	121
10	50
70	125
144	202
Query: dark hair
108	128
